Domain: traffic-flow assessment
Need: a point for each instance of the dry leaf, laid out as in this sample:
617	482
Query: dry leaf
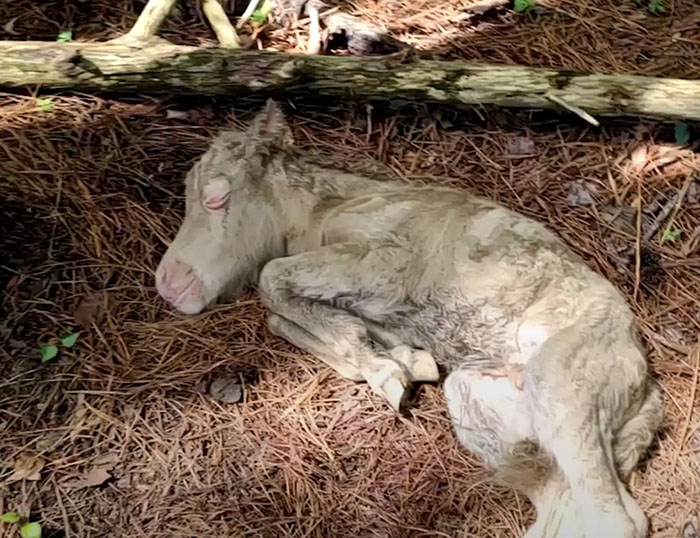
106	461
138	110
226	389
622	218
579	194
96	477
27	469
48	441
99	475
216	456
689	531
12	285
90	310
638	158
522	146
9	26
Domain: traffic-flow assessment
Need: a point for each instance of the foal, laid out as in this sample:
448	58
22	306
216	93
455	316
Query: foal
546	381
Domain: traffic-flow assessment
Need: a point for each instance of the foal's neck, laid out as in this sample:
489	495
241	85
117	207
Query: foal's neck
304	190
305	175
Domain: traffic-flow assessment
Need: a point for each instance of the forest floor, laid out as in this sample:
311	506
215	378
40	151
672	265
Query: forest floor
119	434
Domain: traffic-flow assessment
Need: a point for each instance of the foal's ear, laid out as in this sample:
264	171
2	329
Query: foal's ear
269	126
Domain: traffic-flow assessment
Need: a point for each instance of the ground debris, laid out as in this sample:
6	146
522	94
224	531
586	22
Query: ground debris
226	389
27	468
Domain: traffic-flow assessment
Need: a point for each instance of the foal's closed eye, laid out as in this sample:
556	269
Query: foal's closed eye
215	195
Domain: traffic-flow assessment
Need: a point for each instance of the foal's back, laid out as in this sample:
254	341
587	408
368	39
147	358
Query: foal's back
480	283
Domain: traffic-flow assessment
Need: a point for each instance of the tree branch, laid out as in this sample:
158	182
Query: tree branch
224	30
149	22
166	68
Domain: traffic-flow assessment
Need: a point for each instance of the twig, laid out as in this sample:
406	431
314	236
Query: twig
482	6
672	205
680	196
224	30
572	108
314	46
150	20
691	404
247	13
638	244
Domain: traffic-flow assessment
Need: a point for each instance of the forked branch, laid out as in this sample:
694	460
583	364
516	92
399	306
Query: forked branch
149	22
224	30
156	11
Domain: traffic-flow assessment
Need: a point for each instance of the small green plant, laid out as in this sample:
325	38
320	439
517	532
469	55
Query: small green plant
45	105
260	14
69	340
657	7
30	530
523	6
672	234
10	517
26	529
50	351
65	36
682	133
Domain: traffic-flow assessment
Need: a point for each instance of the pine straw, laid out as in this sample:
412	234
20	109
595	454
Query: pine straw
92	191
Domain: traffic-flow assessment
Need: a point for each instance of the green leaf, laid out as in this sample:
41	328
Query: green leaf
260	14
48	352
44	104
682	133
657	7
10	517
69	340
65	36
521	6
672	234
31	530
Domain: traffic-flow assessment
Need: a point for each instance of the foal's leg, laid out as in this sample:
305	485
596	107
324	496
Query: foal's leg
303	339
494	420
420	364
558	515
323	295
577	398
491	417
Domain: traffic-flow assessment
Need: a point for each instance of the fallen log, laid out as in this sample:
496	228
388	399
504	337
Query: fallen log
162	67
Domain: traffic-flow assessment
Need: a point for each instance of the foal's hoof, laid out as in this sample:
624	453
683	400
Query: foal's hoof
387	378
395	393
420	364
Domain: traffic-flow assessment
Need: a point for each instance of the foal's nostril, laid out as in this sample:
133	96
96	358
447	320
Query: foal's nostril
174	278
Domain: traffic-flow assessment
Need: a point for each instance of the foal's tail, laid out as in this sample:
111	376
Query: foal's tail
635	436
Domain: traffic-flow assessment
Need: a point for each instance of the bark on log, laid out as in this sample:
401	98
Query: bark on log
161	67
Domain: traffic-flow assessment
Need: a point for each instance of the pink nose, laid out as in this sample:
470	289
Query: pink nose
175	280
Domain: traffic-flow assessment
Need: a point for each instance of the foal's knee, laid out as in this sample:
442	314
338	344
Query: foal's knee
272	284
